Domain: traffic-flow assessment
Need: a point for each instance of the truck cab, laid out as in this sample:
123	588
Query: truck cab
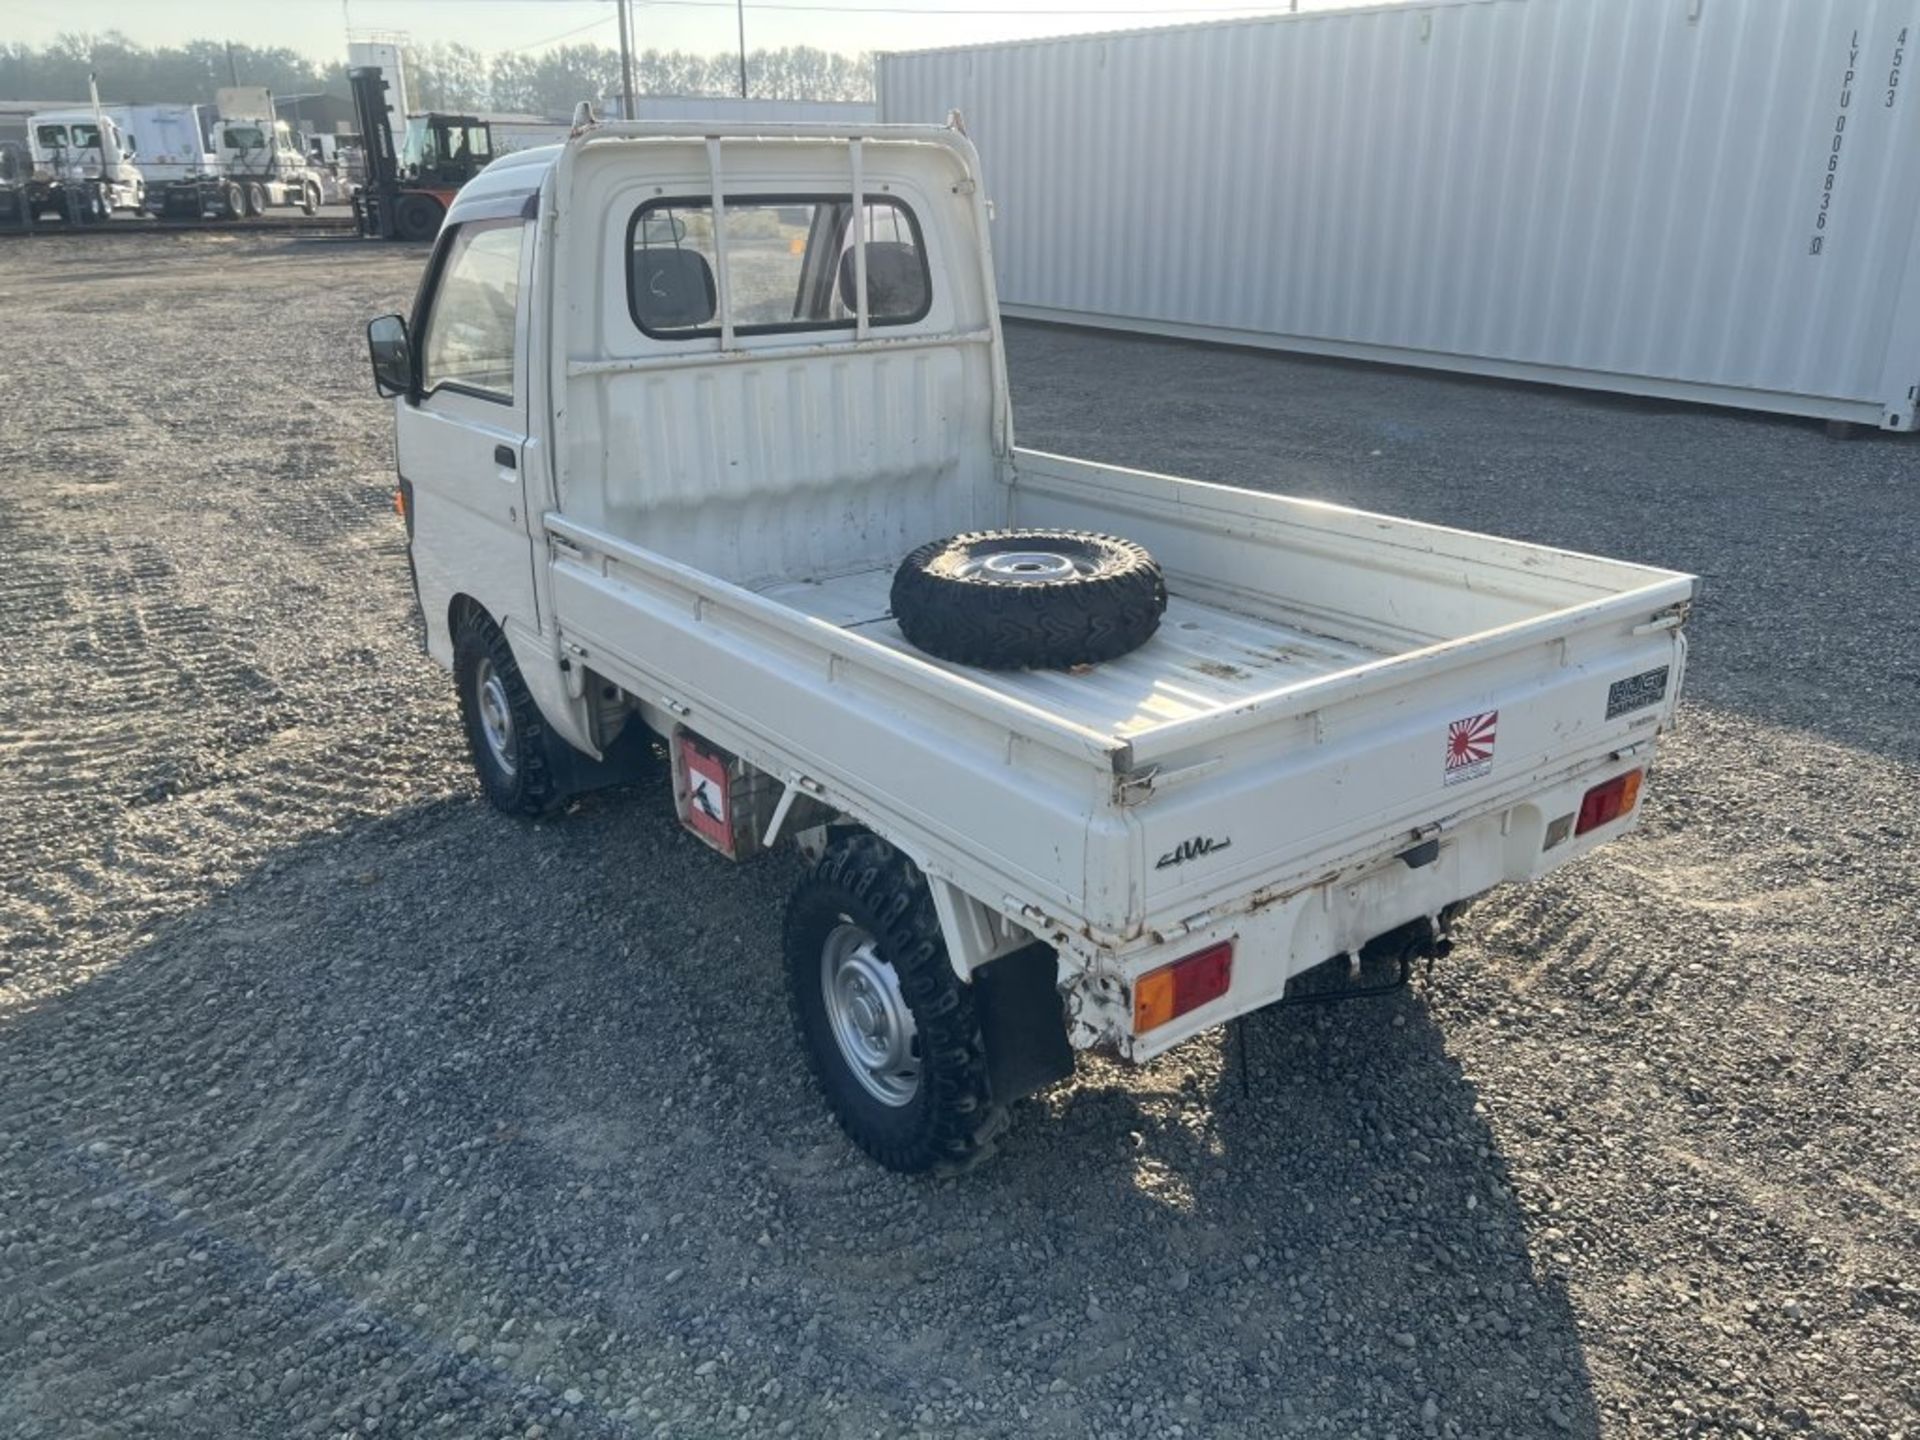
445	151
83	164
266	160
686	426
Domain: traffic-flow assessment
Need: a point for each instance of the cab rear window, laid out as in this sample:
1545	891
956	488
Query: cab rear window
789	263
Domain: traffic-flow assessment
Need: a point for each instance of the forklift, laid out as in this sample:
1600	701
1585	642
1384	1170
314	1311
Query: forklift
405	192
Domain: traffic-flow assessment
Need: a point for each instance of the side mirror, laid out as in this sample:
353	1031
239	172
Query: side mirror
392	353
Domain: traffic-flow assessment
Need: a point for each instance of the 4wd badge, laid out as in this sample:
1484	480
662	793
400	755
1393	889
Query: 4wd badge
1470	747
1191	850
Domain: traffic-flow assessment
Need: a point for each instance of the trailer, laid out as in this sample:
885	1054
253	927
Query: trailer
174	145
1708	200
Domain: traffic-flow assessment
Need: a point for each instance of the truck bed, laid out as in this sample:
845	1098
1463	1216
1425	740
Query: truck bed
1204	658
1292	715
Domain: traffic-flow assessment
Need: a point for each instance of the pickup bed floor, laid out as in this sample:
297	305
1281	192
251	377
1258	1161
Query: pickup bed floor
1203	658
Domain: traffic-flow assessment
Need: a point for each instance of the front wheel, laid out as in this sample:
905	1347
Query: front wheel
309	199
505	731
417	217
888	1028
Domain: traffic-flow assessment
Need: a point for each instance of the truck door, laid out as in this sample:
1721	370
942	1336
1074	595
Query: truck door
462	445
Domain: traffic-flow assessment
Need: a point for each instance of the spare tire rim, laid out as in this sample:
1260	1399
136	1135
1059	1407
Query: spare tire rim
869	1016
1023	567
496	715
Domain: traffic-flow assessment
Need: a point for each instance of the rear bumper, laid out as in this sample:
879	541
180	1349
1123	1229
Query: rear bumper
1278	936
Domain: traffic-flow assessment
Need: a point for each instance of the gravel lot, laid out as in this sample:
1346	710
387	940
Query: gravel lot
332	1101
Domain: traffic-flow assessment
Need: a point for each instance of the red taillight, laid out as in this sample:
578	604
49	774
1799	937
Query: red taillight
1609	800
1172	990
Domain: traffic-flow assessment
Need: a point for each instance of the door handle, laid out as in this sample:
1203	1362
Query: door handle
503	456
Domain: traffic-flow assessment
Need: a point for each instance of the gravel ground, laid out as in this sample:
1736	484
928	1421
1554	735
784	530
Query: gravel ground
331	1101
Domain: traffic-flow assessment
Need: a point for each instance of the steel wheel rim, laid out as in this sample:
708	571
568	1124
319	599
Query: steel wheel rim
496	715
1024	567
869	1016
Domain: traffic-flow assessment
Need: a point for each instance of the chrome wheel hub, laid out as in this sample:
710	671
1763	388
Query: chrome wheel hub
496	715
1023	567
869	1016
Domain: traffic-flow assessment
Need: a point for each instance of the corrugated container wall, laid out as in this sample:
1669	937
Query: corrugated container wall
1714	199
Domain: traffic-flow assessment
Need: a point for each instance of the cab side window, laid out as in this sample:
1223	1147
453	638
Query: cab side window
469	343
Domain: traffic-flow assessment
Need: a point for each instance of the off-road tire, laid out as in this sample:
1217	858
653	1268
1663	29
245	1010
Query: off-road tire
416	217
951	1121
528	788
949	608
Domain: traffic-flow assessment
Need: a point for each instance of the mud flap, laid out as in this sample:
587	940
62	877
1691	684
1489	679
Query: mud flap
629	759
1022	1023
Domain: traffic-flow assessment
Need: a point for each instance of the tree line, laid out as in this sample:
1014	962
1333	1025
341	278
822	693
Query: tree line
458	77
136	75
441	76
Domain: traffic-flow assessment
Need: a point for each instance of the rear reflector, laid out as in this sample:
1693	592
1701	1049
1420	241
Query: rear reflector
1172	990
1609	800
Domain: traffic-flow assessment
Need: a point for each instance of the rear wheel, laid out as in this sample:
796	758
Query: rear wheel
888	1028
233	201
256	198
505	732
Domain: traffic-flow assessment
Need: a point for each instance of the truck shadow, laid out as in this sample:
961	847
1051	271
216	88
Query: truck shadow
449	1116
1326	1178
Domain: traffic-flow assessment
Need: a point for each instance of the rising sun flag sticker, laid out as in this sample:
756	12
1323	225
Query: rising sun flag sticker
1470	747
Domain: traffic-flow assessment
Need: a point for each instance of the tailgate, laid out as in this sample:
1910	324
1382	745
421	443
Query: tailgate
1242	806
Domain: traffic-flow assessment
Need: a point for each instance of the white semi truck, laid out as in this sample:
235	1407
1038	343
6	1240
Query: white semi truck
82	168
707	437
260	154
222	161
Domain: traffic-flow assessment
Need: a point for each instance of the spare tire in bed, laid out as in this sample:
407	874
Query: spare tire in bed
1016	599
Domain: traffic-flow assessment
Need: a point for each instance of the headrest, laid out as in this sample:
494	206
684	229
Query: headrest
672	287
896	280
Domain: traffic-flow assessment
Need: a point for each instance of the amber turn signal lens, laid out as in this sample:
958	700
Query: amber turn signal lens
1172	990
400	503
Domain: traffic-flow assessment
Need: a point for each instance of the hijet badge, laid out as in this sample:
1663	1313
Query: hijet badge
1470	747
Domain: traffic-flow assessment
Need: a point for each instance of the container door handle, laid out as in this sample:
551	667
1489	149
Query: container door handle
503	457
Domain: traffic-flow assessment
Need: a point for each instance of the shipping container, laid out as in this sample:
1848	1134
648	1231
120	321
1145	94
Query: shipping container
1705	199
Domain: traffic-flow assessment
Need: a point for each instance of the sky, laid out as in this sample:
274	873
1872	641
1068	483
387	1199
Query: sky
319	28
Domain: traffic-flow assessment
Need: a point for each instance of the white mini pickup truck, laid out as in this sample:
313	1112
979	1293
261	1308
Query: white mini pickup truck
671	412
